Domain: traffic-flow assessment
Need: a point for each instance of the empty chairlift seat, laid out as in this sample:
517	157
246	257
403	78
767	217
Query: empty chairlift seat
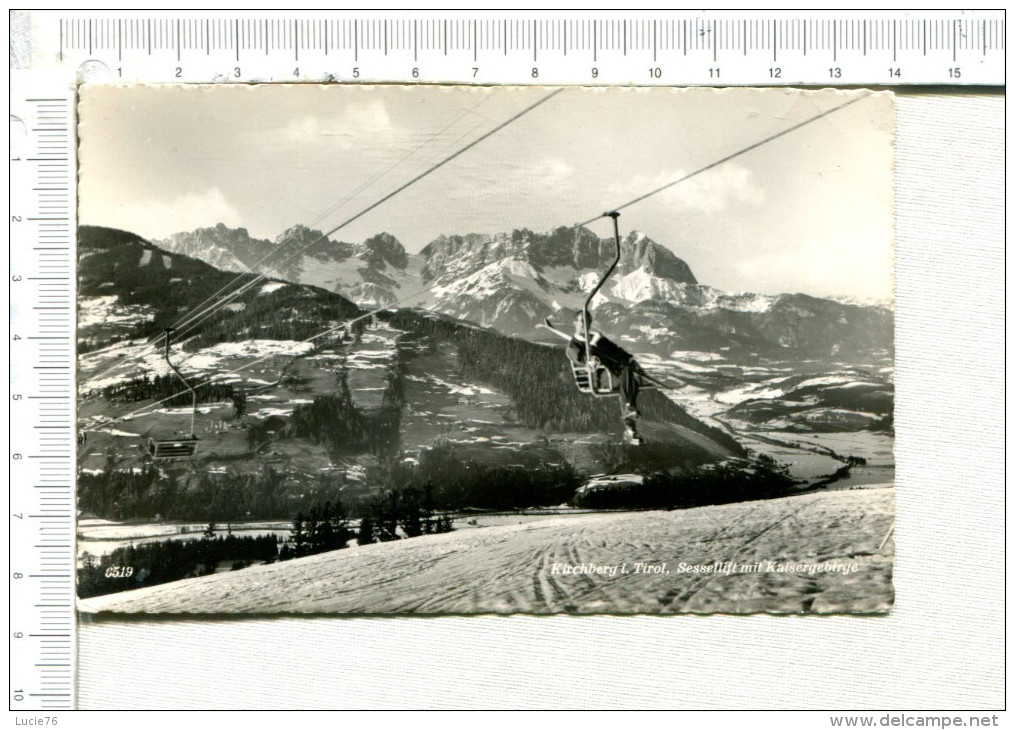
171	448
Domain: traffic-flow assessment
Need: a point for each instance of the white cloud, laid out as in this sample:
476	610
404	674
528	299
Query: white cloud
550	170
159	219
710	192
830	266
348	128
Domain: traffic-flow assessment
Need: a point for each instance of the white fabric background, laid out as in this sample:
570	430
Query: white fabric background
942	647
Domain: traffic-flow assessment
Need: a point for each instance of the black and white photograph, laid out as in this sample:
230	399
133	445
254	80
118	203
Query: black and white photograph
446	350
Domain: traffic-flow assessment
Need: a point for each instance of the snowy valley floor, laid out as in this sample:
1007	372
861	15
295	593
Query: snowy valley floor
820	552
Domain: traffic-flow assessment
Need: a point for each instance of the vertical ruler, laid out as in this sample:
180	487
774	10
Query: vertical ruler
42	434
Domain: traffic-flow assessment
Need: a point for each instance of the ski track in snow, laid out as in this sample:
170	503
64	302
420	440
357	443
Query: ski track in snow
510	568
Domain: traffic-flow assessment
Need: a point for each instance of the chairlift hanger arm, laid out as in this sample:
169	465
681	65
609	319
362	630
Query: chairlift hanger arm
193	393
616	260
590	365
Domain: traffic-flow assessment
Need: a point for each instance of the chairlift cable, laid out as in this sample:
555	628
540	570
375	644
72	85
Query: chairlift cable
186	326
629	203
727	158
435	167
458	153
344	325
197	318
185	320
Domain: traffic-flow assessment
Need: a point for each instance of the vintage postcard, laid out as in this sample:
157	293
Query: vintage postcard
449	350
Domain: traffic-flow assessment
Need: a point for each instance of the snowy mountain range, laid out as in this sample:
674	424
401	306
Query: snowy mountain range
287	395
317	398
512	281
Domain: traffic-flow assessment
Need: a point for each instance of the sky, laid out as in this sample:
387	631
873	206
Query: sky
809	212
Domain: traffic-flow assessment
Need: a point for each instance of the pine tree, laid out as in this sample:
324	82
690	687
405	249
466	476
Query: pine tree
445	523
385	514
298	536
429	522
338	525
210	553
239	403
409	512
365	536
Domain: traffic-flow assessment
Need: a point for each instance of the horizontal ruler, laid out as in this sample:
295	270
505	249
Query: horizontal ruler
667	48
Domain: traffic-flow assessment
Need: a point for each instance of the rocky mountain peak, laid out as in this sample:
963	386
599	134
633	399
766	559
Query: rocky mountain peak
457	255
297	235
638	251
229	249
572	247
314	243
512	280
384	249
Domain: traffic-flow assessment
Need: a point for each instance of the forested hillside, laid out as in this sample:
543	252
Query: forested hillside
539	380
406	399
164	287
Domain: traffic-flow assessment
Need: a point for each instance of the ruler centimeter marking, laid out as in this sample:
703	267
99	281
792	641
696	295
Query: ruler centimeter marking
42	515
682	48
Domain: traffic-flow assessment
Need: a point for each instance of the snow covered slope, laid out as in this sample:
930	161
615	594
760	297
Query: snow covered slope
819	552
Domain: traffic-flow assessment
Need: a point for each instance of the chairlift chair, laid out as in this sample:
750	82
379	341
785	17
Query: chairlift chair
166	449
161	446
601	381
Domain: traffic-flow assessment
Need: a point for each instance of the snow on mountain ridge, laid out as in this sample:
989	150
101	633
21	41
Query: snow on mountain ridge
640	285
511	280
